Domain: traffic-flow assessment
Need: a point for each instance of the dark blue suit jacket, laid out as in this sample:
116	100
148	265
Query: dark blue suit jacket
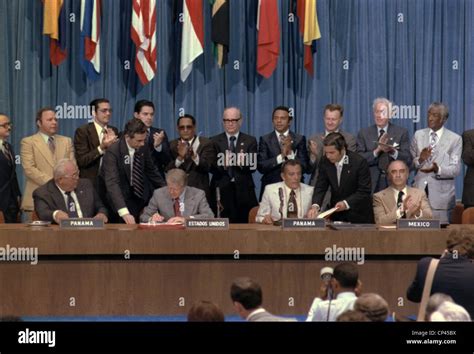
161	159
8	180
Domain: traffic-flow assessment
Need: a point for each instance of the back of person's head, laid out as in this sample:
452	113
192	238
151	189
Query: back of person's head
461	242
434	302
346	275
352	316
450	312
205	311
246	292
373	306
134	126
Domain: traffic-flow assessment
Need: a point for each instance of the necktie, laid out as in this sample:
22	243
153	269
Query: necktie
292	211
51	144
339	172
71	206
381	133
282	137
433	140
7	153
103	133
177	210
137	175
400	203
232	150
147	136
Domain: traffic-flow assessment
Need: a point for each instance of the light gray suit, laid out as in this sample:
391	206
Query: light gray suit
270	203
447	154
195	204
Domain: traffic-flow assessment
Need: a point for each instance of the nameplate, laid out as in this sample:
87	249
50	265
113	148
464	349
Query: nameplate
418	224
303	223
84	223
222	223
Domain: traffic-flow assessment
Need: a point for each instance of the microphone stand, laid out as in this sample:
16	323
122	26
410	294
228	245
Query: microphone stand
279	222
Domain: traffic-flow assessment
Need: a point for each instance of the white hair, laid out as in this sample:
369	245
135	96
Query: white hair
385	102
60	167
450	312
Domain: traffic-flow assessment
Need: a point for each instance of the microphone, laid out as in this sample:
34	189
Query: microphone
218	200
282	197
326	275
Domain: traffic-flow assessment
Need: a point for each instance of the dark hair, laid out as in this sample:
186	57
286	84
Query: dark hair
335	139
291	163
282	108
461	241
334	107
352	316
246	292
143	103
95	103
3	114
346	274
205	311
134	126
39	114
186	116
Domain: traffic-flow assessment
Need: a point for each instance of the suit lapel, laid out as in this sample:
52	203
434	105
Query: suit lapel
124	153
388	197
58	196
43	148
275	143
188	202
93	134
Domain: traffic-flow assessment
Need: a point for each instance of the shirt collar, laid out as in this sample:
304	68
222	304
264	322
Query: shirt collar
285	133
439	132
257	311
346	295
385	129
326	132
46	137
98	127
341	162
236	136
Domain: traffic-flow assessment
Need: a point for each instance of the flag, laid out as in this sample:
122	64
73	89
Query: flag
144	36
89	46
220	29
309	29
268	44
54	25
192	42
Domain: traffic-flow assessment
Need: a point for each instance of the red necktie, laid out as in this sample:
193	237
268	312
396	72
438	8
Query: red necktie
177	211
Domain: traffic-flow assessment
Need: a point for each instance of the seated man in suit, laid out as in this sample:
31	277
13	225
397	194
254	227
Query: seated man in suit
436	152
278	146
347	174
176	201
68	196
246	296
398	200
296	196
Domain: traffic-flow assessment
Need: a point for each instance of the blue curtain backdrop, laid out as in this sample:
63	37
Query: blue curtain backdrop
413	52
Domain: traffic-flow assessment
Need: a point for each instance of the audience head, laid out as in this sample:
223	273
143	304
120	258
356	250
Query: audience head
135	133
373	306
281	119
461	243
246	296
382	109
186	127
291	172
101	111
5	126
352	316
334	147
66	174
46	121
176	181
398	172
434	302
450	312
333	117
145	111
232	120
345	277
438	114
205	311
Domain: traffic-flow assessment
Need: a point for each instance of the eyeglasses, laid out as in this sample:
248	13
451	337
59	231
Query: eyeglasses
105	110
186	127
8	124
231	120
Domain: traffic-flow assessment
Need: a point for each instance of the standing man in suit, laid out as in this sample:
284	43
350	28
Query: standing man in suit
193	154
395	139
468	158
176	201
246	296
40	152
398	201
296	200
156	139
91	140
347	174
333	114
279	146
129	174
68	196
9	190
232	174
436	152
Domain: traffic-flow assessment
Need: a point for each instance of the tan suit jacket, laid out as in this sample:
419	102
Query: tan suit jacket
385	205
38	162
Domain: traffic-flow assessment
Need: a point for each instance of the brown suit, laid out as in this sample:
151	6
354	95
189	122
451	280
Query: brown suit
38	162
385	205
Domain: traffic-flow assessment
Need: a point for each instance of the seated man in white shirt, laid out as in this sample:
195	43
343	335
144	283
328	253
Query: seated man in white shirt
294	196
345	286
398	200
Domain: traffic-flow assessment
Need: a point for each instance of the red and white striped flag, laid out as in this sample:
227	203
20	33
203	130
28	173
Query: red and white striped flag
192	43
144	36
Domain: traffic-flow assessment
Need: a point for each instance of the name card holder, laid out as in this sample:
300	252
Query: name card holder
84	223
292	223
215	224
418	224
